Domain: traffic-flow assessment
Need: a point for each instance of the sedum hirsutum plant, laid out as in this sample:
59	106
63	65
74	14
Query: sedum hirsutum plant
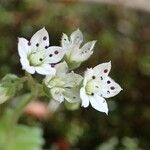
60	83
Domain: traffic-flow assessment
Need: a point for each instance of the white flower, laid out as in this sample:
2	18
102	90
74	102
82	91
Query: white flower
36	55
74	54
97	85
64	85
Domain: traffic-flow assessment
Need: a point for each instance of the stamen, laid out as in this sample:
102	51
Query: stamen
93	77
41	59
101	78
92	94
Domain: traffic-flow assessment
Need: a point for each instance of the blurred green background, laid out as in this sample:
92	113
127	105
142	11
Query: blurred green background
123	36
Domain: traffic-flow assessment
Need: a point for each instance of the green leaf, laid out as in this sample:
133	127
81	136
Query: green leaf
21	138
9	86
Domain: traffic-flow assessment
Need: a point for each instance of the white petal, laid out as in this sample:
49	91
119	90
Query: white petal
109	88
85	52
72	95
99	103
84	98
88	74
65	43
72	79
102	70
54	54
88	47
30	69
45	69
57	94
76	38
23	48
25	65
81	57
61	69
40	39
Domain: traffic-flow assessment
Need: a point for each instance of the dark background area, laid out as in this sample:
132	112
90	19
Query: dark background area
123	36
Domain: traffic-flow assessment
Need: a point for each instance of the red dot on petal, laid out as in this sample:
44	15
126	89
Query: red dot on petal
46	47
44	38
56	52
106	70
112	87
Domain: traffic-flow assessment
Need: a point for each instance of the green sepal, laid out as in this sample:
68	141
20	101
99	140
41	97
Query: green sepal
71	64
71	106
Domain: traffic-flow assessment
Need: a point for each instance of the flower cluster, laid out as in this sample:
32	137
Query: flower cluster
57	63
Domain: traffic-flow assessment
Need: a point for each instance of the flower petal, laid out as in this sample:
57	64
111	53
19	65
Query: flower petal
45	69
102	70
23	48
84	97
81	57
54	54
88	46
57	94
85	52
61	69
76	38
65	43
72	95
72	79
109	88
25	65
88	74
99	103
40	39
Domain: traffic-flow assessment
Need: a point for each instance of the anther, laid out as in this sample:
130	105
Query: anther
92	94
93	77
41	59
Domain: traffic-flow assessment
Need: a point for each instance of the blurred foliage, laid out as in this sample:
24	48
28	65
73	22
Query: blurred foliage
20	136
123	37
